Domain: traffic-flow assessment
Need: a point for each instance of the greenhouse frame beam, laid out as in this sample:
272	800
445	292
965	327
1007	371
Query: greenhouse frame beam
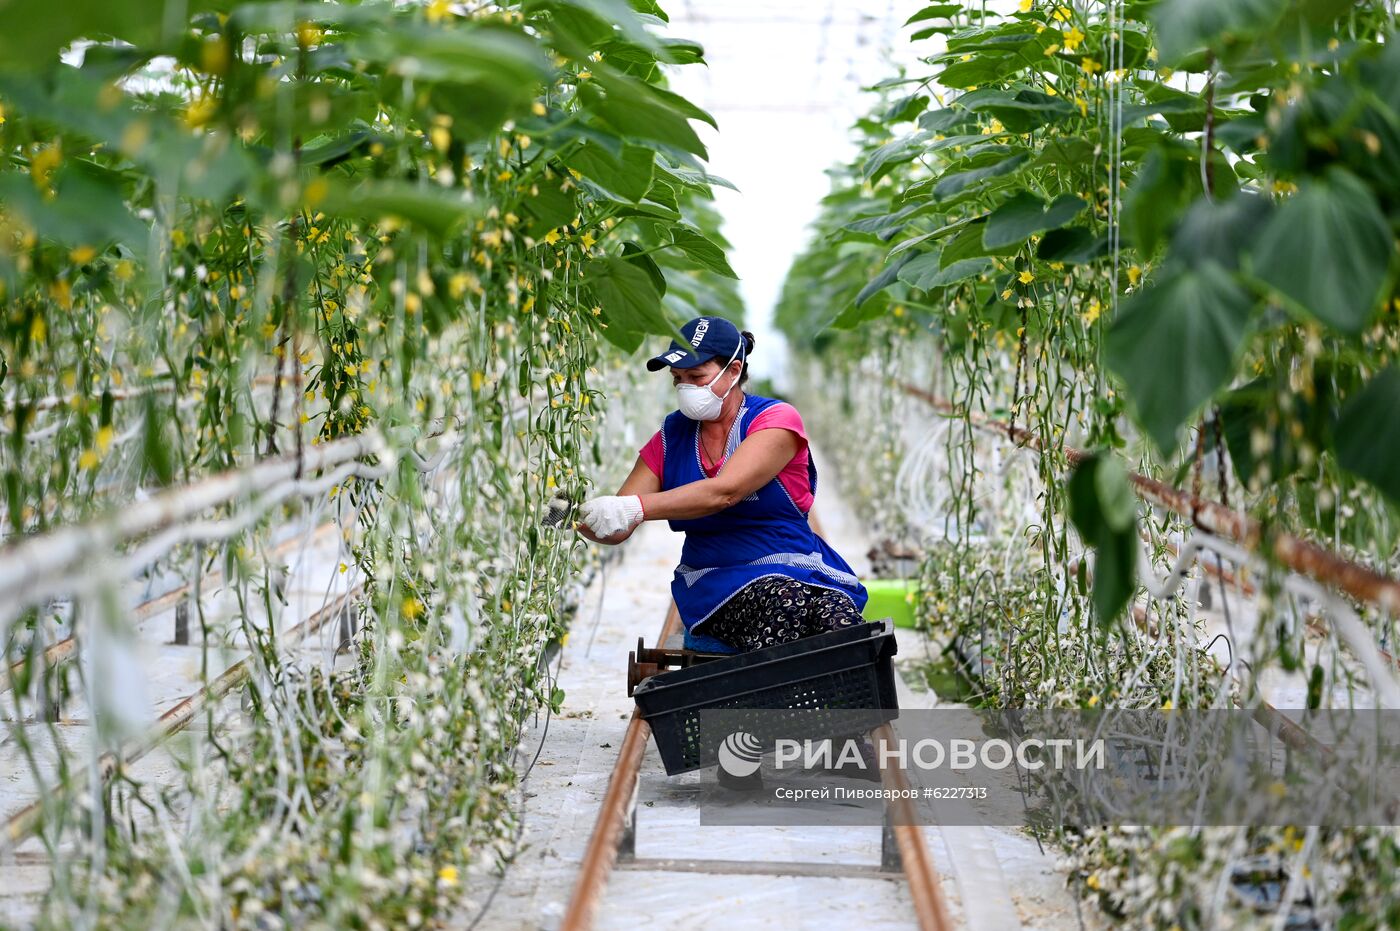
61	561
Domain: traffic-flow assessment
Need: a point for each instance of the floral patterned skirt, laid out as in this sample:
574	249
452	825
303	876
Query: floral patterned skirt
777	609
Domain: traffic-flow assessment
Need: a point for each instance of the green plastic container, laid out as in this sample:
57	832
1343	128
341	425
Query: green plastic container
893	598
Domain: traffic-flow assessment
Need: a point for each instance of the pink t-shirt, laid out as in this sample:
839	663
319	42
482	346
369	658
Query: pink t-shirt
780	416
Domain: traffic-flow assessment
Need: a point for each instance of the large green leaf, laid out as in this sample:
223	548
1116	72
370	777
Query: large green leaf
960	270
628	175
431	209
71	100
35	31
644	211
1020	112
639	110
1104	511
1074	245
481	75
282	16
574	31
979	70
1003	38
855	314
921	270
1327	250
664	193
887	156
906	108
934	11
86	209
65	99
939	233
955	183
1183	103
1367	437
337	149
943	120
629	341
629	300
701	250
888	276
968	245
621	14
1184	26
1025	214
1175	344
886	224
1167	179
701	180
638	256
642	62
552	205
1219	231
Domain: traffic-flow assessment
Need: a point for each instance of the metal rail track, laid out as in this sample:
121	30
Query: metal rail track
611	844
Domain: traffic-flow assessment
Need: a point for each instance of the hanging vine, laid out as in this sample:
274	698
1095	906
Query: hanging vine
237	237
1162	233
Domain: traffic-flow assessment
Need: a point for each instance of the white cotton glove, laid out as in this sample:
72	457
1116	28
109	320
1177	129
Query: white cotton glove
610	515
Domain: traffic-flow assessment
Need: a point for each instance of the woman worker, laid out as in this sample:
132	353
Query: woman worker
732	472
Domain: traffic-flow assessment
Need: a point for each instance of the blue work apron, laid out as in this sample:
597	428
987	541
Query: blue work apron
764	535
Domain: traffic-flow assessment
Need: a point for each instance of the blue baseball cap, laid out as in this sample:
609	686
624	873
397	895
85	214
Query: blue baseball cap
709	338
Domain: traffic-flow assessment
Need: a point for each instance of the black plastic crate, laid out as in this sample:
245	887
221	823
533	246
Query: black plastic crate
846	670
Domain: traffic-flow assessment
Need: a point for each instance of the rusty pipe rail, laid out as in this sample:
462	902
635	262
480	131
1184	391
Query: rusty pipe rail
1316	623
924	887
601	854
30	818
1305	558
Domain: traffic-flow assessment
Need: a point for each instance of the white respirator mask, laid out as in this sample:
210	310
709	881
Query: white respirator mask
698	402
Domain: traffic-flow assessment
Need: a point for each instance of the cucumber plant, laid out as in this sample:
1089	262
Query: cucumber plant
1165	232
233	232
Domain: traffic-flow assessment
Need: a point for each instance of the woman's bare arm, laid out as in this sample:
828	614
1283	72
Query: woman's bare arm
756	462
